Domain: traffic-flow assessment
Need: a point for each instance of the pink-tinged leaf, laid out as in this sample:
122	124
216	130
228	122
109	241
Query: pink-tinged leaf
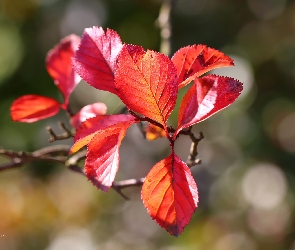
32	108
96	57
59	65
193	61
102	159
146	83
170	194
207	96
90	127
87	112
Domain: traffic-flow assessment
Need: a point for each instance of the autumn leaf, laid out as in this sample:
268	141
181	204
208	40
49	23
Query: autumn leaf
90	127
102	159
31	108
59	65
170	194
207	96
153	132
193	61
146	83
89	111
95	60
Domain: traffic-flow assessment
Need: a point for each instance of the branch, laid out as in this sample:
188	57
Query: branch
54	137
119	185
59	154
192	158
164	23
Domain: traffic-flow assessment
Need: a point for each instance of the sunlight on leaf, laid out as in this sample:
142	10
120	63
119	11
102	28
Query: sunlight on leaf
207	96
96	57
170	194
146	83
194	61
32	108
59	65
102	160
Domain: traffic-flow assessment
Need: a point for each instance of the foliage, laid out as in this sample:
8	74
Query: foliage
147	82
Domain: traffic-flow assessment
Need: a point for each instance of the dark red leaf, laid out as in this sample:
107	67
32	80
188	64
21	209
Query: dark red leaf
59	65
207	96
95	59
146	82
170	194
90	127
87	112
193	61
32	108
102	159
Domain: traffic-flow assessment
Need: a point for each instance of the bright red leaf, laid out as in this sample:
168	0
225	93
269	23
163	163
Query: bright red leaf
170	194
193	61
90	127
95	59
146	82
207	96
31	108
102	159
87	112
59	65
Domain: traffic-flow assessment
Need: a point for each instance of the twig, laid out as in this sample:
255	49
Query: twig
129	183
54	137
192	158
119	185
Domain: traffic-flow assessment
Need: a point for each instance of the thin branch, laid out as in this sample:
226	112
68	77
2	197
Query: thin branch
119	185
192	158
164	23
56	154
129	183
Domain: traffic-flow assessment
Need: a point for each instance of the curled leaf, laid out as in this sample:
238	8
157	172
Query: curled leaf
154	132
170	194
32	108
194	61
59	65
87	112
90	127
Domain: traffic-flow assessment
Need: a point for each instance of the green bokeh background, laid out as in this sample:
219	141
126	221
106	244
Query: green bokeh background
246	181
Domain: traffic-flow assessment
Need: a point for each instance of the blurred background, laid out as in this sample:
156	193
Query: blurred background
247	179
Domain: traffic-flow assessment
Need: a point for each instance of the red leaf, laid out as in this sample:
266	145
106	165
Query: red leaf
193	61
59	65
95	59
207	96
170	194
90	127
31	108
87	112
146	82
102	159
